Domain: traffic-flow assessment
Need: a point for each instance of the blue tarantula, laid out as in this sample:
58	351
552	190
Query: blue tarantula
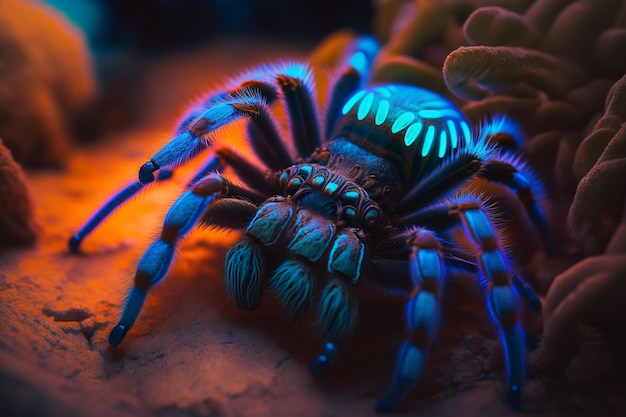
370	195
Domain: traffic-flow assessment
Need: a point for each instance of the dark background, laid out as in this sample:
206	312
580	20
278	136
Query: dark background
157	26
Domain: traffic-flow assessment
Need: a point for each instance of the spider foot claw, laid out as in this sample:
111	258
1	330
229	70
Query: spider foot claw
146	172
395	394
513	397
74	243
321	361
117	334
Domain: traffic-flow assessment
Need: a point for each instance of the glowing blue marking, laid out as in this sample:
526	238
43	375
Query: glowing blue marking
319	180
466	133
331	187
402	122
365	106
306	168
443	142
437	104
412	133
384	91
295	182
353	100
428	141
429	114
382	112
351	195
453	133
359	62
436	114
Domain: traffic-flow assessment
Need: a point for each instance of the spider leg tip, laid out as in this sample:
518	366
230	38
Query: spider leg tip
319	364
321	361
74	243
117	334
384	405
513	397
146	172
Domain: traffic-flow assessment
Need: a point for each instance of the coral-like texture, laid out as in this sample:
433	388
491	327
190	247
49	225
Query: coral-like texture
558	68
17	224
46	78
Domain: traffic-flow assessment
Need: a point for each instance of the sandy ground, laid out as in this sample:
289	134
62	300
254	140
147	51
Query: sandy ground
192	353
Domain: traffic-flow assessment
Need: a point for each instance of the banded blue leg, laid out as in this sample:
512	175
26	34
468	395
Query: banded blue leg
427	273
154	264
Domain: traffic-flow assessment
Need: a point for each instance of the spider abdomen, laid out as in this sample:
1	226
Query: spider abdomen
411	127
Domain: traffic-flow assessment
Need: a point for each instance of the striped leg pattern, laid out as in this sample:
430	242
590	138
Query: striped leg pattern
501	297
186	212
427	271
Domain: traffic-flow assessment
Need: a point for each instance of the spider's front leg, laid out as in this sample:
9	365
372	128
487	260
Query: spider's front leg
248	99
181	218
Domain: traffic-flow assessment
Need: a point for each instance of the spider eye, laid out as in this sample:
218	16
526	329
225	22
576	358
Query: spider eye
349	212
294	183
319	179
371	216
351	196
282	180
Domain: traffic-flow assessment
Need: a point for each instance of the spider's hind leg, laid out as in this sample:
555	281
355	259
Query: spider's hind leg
495	267
509	171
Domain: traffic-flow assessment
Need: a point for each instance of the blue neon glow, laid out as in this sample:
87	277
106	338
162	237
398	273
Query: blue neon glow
453	134
353	100
437	114
359	62
402	122
412	133
428	140
443	142
351	195
502	124
331	187
319	180
365	106
382	112
466	133
384	91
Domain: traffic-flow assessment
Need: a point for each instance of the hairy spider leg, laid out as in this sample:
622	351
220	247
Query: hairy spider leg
336	317
186	212
250	99
307	239
353	75
298	94
447	177
509	171
427	271
441	217
132	189
483	160
501	297
126	194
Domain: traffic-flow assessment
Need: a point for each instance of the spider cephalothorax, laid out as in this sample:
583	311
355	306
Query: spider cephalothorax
379	184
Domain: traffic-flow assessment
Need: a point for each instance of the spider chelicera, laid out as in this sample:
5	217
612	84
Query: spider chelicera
370	195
